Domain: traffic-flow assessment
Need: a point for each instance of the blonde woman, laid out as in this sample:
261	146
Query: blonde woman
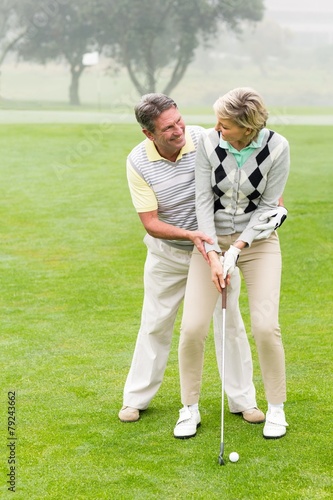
241	171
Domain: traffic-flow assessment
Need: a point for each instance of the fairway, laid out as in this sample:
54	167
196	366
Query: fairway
71	266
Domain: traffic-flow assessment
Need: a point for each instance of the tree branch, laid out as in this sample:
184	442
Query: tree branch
10	46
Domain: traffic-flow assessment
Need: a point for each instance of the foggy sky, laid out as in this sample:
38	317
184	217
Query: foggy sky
300	5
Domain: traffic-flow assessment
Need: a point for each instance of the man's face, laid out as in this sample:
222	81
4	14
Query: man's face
169	134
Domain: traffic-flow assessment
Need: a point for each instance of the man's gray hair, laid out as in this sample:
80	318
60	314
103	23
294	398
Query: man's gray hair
150	107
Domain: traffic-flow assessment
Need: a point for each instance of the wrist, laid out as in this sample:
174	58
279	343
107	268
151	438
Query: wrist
239	245
188	235
213	256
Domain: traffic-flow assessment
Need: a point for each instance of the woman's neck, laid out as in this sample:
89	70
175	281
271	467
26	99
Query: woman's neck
240	145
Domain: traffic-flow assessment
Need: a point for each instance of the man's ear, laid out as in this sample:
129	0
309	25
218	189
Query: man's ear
148	134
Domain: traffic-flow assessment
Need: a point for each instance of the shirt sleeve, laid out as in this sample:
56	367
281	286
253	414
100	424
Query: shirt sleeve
204	195
143	197
276	181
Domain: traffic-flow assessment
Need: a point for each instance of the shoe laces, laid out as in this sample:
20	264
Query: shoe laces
276	416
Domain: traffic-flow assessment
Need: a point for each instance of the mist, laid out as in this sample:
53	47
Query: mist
288	57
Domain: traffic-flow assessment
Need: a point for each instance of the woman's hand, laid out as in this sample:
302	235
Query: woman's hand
272	220
230	260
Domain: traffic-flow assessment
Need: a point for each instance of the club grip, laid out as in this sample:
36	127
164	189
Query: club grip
224	297
224	293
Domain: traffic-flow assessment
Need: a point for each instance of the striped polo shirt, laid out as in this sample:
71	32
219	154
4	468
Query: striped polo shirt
168	187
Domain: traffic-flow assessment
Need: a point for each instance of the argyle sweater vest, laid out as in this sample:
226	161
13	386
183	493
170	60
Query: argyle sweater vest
230	199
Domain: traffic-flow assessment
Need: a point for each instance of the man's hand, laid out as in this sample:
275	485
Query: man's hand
159	229
198	238
216	269
230	260
274	219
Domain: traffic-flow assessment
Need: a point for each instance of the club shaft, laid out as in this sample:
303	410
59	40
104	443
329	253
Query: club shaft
222	374
224	306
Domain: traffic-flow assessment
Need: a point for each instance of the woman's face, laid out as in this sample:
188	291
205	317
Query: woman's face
231	132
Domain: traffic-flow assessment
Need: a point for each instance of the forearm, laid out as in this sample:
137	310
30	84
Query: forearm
204	196
271	196
160	229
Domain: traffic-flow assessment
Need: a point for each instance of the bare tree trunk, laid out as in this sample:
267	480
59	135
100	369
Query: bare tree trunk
8	48
74	98
11	45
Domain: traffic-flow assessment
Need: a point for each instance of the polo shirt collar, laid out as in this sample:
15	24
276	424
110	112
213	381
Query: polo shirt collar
253	145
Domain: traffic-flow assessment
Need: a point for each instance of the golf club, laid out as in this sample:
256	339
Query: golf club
224	307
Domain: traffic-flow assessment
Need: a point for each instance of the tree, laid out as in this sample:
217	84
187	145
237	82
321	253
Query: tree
144	36
11	30
147	36
61	29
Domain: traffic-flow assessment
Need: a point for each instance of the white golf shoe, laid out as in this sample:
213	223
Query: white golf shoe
275	425
187	424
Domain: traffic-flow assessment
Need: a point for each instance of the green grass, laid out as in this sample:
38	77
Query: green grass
273	110
118	108
71	289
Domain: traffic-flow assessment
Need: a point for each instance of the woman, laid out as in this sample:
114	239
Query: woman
241	171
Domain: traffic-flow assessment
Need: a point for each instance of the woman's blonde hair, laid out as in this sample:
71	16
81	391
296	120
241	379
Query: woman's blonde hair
245	107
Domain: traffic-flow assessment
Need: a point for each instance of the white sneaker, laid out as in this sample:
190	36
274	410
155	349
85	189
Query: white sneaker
275	425
187	424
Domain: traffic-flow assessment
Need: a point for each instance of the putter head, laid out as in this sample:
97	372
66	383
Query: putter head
221	461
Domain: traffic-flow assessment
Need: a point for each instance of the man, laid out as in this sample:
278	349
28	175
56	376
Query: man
160	173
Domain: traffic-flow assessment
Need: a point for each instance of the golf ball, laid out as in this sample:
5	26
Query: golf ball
234	457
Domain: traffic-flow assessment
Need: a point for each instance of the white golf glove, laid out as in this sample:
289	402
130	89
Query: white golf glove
230	260
274	219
